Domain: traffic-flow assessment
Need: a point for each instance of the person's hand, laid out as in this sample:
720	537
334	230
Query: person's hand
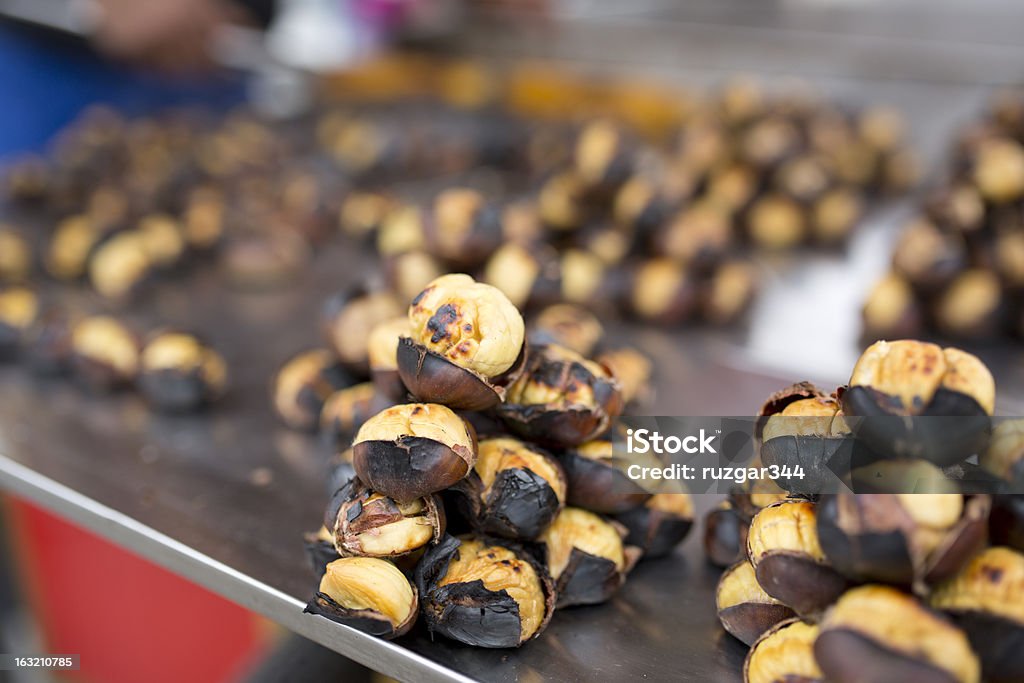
171	35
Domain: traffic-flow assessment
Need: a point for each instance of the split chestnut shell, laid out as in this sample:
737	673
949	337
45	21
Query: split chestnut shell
368	594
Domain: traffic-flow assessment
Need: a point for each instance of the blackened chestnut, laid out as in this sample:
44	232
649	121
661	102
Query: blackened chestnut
972	306
901	538
104	353
895	380
525	275
466	343
320	550
586	557
927	257
515	490
1004	456
598	481
368	594
560	202
409	272
986	600
366	523
698	236
347	320
561	399
411	450
659	525
382	349
19	309
879	634
303	384
604	156
784	654
744	609
791	566
178	372
484	592
568	325
729	291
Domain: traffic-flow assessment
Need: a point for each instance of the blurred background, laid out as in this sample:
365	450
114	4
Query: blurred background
919	94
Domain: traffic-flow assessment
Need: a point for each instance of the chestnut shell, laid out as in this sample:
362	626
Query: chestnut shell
998	642
655	532
598	486
520	506
798	581
364	620
409	467
846	656
1006	521
468	612
431	378
725	535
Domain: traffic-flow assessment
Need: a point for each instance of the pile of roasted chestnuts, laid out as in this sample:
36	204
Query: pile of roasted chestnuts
910	571
958	267
480	491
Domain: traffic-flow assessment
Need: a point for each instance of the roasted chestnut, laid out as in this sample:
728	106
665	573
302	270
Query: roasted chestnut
484	592
659	525
901	538
204	218
514	490
120	266
411	450
408	273
365	523
368	594
698	236
744	609
586	557
464	228
835	215
15	257
568	325
348	318
598	481
809	434
19	309
347	409
604	157
776	222
382	350
729	292
561	399
986	600
303	384
784	654
632	370
663	292
104	353
791	566
999	170
362	213
466	343
339	470
879	634
725	535
927	257
560	202
178	372
401	232
896	380
971	306
525	275
47	342
891	310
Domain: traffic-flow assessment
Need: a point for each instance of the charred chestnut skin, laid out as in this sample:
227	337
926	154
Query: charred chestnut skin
469	612
520	503
565	425
432	378
1006	522
725	535
303	384
351	512
347	409
862	553
197	378
407	467
748	620
596	484
655	531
